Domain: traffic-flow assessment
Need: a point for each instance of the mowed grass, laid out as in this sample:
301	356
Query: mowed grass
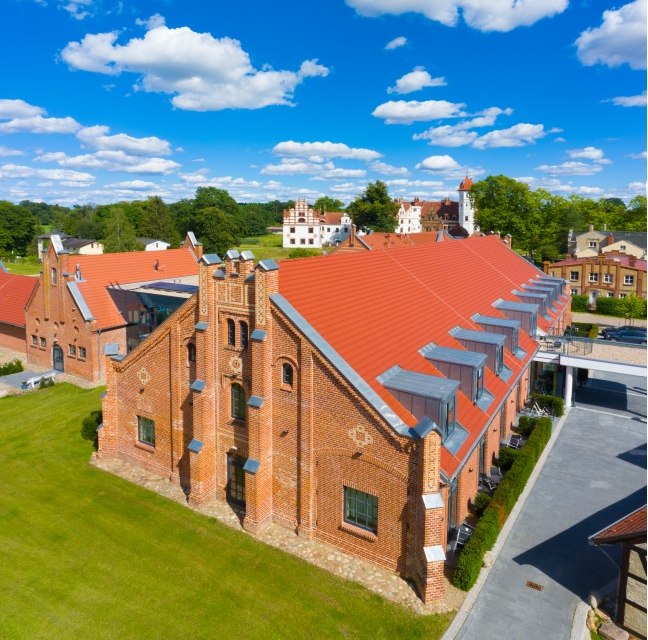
23	268
88	555
268	246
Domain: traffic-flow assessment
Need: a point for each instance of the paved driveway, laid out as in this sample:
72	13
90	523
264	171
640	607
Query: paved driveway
594	475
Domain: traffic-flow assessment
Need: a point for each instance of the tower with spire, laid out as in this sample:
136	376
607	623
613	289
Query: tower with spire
466	209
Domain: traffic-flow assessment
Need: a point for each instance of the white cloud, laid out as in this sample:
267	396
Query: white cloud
438	164
416	80
554	185
6	151
630	101
638	156
74	178
98	138
388	169
433	184
156	20
320	151
621	38
571	168
516	136
406	112
589	153
113	161
10	109
135	185
298	166
202	73
484	15
78	9
401	41
338	174
22	116
458	135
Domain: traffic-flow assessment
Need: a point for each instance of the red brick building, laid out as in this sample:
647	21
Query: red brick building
353	398
82	302
15	291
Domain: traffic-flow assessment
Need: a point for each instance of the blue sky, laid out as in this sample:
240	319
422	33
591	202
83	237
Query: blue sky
103	100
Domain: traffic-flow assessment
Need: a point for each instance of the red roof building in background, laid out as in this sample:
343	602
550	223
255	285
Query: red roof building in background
15	291
354	398
82	302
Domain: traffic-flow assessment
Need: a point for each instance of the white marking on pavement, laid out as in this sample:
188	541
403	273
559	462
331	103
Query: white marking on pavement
607	413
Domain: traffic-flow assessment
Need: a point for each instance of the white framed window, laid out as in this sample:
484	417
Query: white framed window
607	278
622	247
628	279
593	277
574	291
623	295
592	244
574	275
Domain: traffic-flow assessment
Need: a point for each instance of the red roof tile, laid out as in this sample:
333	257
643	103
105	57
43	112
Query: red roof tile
379	240
15	291
381	307
109	269
628	528
465	185
625	260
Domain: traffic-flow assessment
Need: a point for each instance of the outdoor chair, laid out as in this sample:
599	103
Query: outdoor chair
515	441
496	475
488	483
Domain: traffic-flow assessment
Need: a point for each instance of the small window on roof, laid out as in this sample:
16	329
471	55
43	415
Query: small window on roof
450	418
479	383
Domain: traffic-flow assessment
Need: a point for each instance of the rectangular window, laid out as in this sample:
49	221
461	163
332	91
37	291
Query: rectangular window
43	342
607	278
628	279
82	352
361	509
623	295
622	247
310	240
449	416
292	240
72	350
573	275
292	229
34	341
593	277
574	291
310	229
479	383
146	431
499	359
610	294
302	241
592	244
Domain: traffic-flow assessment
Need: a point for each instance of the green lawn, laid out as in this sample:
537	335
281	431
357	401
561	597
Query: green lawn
269	246
88	555
23	268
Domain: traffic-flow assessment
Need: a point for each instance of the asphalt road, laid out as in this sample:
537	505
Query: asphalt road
594	475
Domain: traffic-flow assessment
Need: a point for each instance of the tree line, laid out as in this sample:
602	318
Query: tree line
537	220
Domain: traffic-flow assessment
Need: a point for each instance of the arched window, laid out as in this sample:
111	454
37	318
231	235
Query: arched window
191	352
243	328
231	332
54	276
237	402
287	374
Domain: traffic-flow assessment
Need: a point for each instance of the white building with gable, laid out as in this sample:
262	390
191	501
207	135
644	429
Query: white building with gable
305	228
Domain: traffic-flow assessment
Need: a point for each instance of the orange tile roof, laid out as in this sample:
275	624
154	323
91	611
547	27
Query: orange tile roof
108	269
627	528
379	240
465	185
332	217
15	291
381	307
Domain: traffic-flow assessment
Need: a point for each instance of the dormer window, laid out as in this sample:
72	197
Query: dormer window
499	359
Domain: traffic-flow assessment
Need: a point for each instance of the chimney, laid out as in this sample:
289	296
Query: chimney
77	272
604	226
352	236
590	227
610	238
632	260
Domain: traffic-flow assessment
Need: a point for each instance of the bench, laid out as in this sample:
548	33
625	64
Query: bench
34	381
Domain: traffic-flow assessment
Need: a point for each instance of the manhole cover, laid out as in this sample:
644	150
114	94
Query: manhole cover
534	585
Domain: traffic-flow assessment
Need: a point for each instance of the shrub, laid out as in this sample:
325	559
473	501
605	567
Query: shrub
584	329
45	382
481	501
609	306
89	426
506	458
15	366
579	303
526	424
553	403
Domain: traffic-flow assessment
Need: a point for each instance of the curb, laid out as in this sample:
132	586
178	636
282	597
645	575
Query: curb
579	625
458	621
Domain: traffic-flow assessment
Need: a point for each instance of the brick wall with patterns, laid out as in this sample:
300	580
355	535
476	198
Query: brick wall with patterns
313	435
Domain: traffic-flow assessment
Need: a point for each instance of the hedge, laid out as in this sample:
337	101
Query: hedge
553	403
471	559
584	329
15	366
579	303
526	424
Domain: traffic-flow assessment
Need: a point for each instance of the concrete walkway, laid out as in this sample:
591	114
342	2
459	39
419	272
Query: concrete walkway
594	474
